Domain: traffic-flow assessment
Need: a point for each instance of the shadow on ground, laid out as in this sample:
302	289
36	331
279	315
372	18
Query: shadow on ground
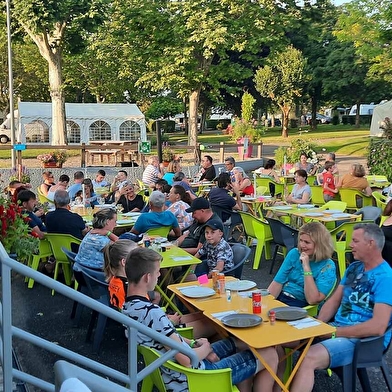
48	316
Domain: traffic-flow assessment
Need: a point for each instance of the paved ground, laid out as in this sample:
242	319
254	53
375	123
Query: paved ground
37	311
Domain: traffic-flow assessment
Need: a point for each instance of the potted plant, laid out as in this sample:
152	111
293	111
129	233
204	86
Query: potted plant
167	154
20	174
15	232
54	158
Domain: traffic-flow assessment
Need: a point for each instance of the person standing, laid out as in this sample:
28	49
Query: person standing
361	306
329	188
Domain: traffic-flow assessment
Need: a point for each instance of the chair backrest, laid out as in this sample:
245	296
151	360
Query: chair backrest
261	190
71	255
255	227
353	197
381	200
42	198
370	213
282	234
162	231
270	184
57	241
317	194
198	380
240	255
334	205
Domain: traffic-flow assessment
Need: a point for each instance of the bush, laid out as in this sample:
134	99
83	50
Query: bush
293	153
379	159
293	122
335	120
153	139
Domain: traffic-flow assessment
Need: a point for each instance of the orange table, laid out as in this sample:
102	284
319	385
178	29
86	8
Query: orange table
263	335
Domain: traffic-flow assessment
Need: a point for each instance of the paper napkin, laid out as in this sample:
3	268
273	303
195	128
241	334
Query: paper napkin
203	279
304	323
182	258
220	315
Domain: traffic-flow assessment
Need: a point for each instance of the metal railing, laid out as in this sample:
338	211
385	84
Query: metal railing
8	331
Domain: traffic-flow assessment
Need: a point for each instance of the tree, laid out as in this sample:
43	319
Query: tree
46	23
367	25
164	107
184	46
281	80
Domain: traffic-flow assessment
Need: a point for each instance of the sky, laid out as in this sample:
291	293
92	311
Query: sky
340	2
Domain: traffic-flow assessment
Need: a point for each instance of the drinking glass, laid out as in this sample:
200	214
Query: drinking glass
101	200
119	208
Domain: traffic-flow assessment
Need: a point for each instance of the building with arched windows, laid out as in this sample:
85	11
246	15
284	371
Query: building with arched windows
85	122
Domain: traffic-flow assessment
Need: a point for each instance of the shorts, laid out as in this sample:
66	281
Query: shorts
243	364
340	350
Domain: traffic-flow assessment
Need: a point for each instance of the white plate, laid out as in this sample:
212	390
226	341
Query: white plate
132	214
198	292
248	198
240	285
265	197
314	214
305	205
340	215
332	212
124	222
104	206
282	208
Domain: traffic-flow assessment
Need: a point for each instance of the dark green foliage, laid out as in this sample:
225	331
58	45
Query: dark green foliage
379	159
335	120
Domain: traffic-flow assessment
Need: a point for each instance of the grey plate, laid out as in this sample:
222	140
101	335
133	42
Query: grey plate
242	320
289	313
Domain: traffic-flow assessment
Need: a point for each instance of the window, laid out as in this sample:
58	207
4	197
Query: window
73	132
130	130
100	130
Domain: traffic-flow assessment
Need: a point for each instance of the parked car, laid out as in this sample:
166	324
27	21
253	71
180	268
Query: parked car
320	118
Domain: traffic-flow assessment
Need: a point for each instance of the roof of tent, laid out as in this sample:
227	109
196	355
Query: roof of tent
379	113
81	110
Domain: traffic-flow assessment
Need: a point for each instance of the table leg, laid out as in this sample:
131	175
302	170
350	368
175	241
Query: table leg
300	359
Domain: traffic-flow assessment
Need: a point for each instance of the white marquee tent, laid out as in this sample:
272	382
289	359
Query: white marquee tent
379	113
85	122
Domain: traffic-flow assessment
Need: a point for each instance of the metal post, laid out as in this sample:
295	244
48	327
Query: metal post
159	140
10	83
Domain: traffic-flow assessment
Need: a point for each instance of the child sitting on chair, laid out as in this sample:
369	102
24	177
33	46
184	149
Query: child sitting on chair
216	251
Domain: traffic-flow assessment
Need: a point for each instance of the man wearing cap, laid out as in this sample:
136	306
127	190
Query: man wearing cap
157	217
193	239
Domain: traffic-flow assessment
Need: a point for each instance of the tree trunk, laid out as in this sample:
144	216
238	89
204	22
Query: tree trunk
58	103
285	121
193	106
357	115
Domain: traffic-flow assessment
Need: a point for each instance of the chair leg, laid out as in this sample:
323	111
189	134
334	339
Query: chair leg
274	258
99	332
364	379
56	273
267	250
258	254
387	374
34	265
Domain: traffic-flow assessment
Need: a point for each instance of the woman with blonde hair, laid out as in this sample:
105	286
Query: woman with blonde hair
173	168
356	180
243	182
307	274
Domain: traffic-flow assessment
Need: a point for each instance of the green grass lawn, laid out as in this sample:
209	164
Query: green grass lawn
342	139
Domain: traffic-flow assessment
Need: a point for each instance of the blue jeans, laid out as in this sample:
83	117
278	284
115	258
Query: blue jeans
340	350
242	364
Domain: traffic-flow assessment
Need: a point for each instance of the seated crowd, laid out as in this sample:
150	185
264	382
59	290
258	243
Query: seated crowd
360	305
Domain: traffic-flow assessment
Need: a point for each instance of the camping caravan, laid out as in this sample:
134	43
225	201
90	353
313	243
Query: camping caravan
365	109
85	122
379	114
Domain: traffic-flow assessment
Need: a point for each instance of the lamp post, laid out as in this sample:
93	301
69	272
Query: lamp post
10	84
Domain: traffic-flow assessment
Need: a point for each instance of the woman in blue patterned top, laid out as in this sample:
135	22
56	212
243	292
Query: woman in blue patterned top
307	274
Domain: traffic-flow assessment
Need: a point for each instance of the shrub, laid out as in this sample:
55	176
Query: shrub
335	120
379	159
293	152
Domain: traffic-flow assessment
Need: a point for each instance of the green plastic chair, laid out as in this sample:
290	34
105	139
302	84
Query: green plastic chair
260	230
261	190
317	195
381	200
45	251
334	205
266	181
198	380
162	231
341	237
42	198
57	241
352	196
